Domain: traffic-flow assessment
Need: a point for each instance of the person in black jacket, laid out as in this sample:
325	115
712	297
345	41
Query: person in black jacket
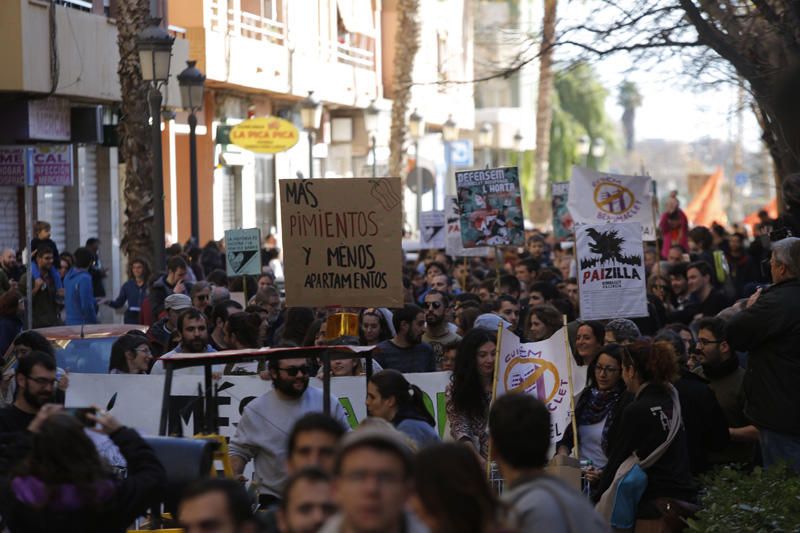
703	418
59	483
769	330
648	370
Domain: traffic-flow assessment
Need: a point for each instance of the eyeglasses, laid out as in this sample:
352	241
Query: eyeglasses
703	342
606	369
433	305
292	371
143	350
43	382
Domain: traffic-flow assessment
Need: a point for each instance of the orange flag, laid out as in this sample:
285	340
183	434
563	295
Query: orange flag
706	207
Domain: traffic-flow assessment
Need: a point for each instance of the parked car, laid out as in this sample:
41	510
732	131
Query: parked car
86	349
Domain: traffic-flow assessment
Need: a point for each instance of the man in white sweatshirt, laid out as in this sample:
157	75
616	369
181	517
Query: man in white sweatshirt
263	431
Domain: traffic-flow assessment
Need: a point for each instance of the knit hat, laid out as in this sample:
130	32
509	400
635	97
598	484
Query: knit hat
177	302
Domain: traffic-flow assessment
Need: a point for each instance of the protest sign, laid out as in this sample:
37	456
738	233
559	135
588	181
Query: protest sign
135	405
243	252
562	220
543	370
611	271
599	197
491	207
455	247
432	229
342	242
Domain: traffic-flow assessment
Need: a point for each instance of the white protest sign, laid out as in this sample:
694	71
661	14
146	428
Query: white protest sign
432	230
598	197
243	251
611	272
543	370
454	246
138	403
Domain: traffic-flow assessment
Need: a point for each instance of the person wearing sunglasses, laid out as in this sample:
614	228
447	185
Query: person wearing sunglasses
267	420
439	332
201	296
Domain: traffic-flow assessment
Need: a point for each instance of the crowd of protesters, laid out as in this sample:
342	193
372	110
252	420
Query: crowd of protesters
709	377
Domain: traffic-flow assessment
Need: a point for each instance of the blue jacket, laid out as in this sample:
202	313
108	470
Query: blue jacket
79	301
134	295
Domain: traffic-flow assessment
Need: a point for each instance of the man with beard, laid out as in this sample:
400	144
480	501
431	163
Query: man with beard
266	422
439	332
36	379
405	352
193	330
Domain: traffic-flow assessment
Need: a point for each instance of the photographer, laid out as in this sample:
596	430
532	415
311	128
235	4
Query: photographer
59	483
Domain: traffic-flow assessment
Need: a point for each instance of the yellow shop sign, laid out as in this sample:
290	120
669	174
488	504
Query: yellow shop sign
265	135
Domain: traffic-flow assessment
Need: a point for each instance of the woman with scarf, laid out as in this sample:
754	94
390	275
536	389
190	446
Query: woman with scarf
597	408
391	397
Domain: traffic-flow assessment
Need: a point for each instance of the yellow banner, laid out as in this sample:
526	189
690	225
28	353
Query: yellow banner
265	135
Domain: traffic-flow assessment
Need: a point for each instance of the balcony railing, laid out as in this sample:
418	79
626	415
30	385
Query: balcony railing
81	5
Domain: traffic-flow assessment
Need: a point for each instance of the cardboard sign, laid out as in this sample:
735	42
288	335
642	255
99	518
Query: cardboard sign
455	248
135	405
342	242
265	135
243	252
432	230
562	220
600	197
611	275
543	370
490	207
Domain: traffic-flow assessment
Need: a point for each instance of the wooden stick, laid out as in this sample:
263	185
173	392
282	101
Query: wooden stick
494	391
571	391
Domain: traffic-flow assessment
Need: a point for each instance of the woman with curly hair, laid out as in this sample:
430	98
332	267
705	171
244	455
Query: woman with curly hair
470	390
543	320
649	369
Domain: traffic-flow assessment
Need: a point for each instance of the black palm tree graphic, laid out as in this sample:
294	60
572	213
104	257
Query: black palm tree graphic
608	245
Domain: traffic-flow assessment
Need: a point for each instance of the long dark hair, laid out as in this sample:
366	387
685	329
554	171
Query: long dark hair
467	391
127	343
410	399
614	351
445	477
62	453
145	269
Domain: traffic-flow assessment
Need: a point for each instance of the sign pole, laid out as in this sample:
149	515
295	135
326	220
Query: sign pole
494	392
28	253
568	353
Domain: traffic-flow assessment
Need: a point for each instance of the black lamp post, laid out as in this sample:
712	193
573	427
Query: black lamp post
155	51
371	125
310	115
192	82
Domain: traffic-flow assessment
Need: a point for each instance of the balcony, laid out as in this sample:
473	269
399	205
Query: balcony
277	46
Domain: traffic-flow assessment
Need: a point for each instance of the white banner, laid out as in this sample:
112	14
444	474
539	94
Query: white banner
432	231
138	402
454	246
543	370
611	273
598	197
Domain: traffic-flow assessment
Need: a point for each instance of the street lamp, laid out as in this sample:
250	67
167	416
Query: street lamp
584	147
416	128
371	124
310	115
485	142
155	51
192	83
450	135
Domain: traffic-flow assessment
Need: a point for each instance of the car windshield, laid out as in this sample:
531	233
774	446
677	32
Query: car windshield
87	356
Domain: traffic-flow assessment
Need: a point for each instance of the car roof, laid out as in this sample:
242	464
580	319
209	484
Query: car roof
89	331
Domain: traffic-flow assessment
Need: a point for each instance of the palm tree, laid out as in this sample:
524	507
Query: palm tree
406	46
544	109
134	132
629	99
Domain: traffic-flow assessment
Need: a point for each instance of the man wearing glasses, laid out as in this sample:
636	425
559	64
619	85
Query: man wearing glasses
36	381
439	332
263	431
